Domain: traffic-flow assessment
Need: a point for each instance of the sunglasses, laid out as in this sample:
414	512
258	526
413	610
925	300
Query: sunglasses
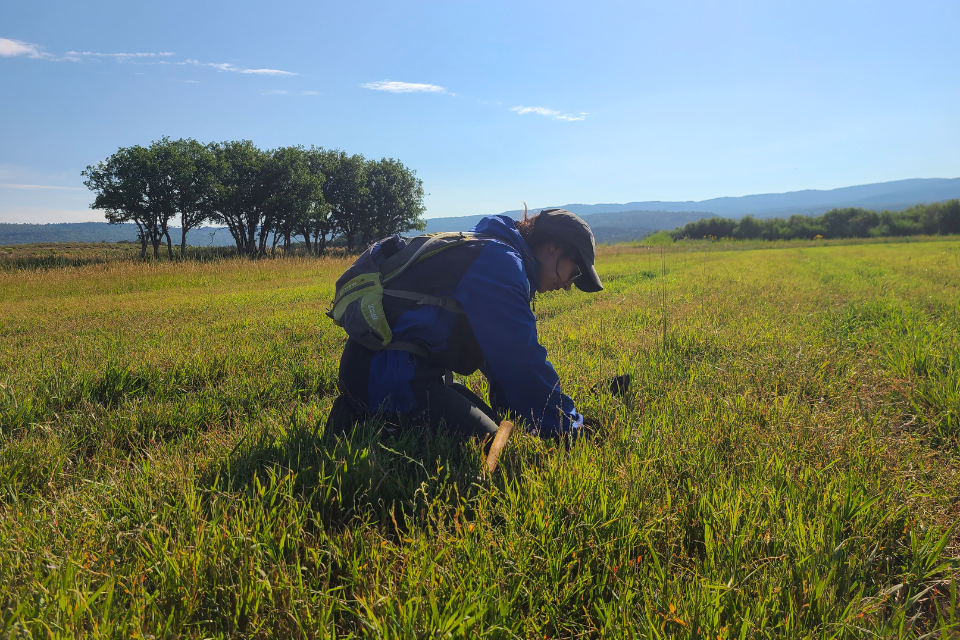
573	276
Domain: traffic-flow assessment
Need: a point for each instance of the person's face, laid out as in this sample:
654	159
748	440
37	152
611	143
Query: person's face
555	272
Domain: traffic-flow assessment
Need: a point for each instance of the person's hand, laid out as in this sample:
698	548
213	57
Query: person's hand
617	386
590	425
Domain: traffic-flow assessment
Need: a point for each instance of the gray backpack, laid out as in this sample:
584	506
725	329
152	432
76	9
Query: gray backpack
358	302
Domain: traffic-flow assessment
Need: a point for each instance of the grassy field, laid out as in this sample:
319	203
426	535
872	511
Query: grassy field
785	464
56	255
64	254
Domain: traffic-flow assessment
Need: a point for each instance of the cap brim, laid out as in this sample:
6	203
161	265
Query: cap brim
589	281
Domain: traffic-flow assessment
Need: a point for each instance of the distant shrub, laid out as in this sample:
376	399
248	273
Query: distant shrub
941	218
659	238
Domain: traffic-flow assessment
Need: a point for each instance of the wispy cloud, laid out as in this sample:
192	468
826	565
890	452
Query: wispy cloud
403	87
93	54
569	118
394	86
226	66
550	113
268	72
540	111
10	48
38	186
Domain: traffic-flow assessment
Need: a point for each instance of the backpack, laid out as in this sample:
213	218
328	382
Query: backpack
358	301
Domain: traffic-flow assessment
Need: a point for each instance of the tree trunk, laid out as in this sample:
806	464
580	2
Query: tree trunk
142	237
306	241
262	245
155	237
251	239
239	239
183	242
235	232
166	232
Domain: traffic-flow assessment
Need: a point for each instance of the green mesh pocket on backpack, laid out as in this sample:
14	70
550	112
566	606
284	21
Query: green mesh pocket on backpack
358	308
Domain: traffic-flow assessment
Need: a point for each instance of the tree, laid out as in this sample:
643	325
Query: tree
747	229
851	222
318	223
715	227
296	194
948	217
257	195
861	222
133	185
164	165
195	185
243	191
835	223
116	183
345	190
798	226
394	200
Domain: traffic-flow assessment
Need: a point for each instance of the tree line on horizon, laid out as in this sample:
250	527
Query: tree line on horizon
939	218
263	197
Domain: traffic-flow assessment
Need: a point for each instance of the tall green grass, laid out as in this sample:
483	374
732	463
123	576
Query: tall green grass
785	464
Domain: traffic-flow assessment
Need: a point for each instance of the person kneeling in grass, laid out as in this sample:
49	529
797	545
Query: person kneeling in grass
474	313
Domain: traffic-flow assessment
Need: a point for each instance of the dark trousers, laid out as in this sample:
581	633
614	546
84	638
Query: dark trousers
456	409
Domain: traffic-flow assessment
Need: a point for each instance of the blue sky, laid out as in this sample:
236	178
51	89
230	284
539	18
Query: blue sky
490	102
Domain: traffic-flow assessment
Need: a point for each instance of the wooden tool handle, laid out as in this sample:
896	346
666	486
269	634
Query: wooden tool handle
499	442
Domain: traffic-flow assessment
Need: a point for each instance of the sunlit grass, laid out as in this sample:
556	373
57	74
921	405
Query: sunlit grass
784	465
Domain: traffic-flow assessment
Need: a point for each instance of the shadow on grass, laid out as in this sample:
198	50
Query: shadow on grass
370	474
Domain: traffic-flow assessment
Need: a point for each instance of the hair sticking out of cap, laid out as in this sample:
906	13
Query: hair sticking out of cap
535	236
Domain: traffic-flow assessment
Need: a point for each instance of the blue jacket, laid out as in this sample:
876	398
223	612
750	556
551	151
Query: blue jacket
494	278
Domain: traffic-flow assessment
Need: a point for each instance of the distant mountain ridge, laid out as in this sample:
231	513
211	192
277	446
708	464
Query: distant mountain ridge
610	222
14	233
627	226
893	196
608	228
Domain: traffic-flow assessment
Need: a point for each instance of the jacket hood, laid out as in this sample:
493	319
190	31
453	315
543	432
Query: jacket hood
504	228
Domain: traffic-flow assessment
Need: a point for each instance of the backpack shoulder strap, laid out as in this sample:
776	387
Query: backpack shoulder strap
431	244
419	249
443	302
410	347
358	301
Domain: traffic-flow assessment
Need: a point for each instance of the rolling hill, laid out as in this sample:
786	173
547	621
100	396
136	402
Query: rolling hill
11	233
610	222
657	215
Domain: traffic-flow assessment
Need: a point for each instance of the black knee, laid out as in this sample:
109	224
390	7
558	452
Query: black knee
342	419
